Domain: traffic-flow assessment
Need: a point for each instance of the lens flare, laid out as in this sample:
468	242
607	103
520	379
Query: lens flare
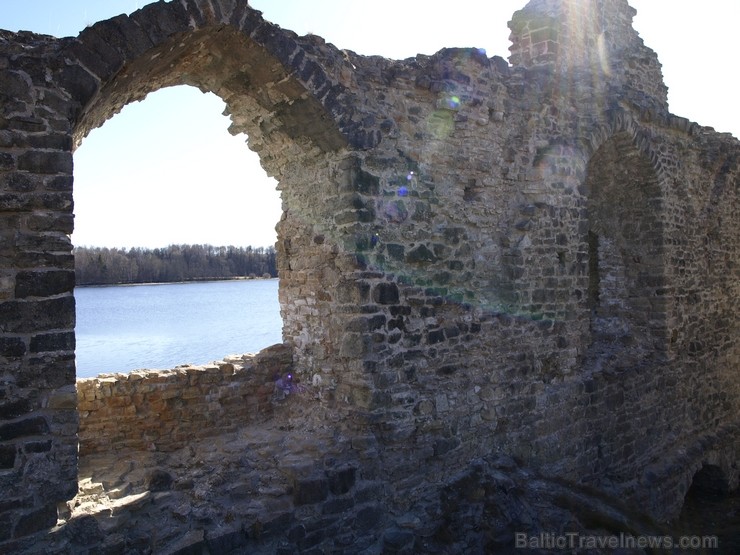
453	102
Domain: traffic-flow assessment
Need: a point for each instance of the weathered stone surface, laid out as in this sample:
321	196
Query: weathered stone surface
43	284
33	426
164	410
536	260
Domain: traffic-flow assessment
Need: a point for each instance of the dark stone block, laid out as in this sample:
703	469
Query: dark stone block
341	481
6	527
277	525
45	162
78	82
15	408
386	293
364	182
40	519
396	252
376	322
63	223
34	426
90	58
51	371
358	324
445	445
38	447
6	161
311	540
447	370
13	202
27	317
363	139
312	72
17	182
420	255
335	506
14	87
396	540
7	456
353	292
60	183
44	284
296	533
452	331
11	347
435	336
64	341
309	491
365	215
227	543
161	20
159	480
16	504
84	531
368	518
400	310
130	38
94	51
589	386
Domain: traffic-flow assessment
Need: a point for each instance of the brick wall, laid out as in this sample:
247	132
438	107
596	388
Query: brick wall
164	410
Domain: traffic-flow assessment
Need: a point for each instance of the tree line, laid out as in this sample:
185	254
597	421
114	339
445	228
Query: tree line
107	266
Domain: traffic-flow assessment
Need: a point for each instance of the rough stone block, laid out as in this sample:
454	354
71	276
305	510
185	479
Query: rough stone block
310	491
7	456
32	426
341	481
35	521
45	162
386	293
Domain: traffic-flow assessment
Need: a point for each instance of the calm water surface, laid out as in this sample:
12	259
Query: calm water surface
122	328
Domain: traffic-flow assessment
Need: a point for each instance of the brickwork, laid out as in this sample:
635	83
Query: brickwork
164	411
532	260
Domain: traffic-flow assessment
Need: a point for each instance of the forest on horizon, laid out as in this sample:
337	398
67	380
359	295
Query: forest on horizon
175	263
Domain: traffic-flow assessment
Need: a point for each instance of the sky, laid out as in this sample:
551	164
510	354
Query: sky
146	178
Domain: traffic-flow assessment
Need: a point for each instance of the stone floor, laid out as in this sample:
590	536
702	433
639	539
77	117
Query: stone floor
154	502
236	493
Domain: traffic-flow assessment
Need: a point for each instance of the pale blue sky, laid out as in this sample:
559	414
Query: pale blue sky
133	189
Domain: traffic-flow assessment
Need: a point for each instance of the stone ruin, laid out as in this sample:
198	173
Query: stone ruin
510	296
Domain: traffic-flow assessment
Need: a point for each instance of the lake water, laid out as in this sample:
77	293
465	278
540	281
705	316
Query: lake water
122	328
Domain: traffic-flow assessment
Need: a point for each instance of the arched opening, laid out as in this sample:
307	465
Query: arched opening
626	285
164	194
299	144
709	480
297	119
297	140
711	509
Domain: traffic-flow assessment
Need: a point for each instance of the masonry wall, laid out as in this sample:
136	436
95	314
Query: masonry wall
534	260
165	410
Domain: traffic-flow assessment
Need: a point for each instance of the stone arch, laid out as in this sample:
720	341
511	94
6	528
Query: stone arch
219	46
625	243
281	90
710	478
713	475
291	96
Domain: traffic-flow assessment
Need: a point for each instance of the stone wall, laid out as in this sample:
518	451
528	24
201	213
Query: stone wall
165	410
531	259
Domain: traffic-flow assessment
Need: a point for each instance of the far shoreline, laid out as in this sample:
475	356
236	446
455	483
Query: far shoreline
180	282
